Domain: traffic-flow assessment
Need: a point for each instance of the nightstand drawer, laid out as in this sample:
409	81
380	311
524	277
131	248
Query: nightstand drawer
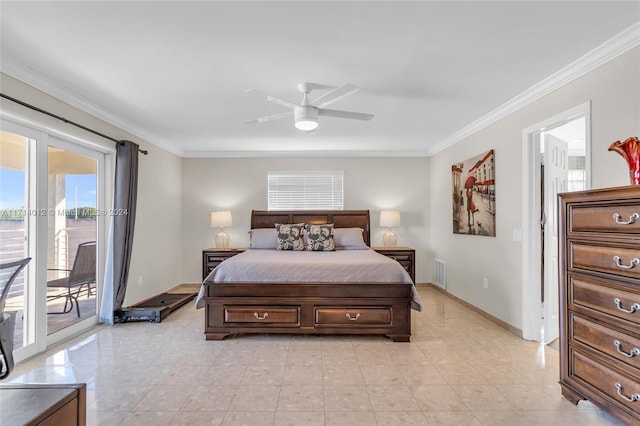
216	258
405	256
213	257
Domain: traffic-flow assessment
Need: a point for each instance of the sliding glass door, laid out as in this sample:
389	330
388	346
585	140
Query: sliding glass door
53	194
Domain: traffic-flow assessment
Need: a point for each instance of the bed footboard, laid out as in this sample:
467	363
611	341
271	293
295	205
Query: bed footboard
308	308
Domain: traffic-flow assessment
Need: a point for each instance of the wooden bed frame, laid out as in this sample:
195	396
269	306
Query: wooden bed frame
309	308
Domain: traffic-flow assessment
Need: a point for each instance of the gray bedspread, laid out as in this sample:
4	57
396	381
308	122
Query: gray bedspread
276	266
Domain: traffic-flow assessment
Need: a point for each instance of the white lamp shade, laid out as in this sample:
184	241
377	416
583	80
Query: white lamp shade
221	219
390	218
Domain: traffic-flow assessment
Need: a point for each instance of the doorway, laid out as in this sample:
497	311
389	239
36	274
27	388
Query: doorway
564	165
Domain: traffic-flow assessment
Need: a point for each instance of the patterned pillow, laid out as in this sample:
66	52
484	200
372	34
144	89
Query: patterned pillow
290	236
320	237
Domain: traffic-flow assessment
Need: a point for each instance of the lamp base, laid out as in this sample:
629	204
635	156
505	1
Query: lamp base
222	239
389	239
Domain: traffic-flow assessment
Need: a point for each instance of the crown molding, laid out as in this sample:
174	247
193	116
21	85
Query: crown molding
41	82
293	154
610	49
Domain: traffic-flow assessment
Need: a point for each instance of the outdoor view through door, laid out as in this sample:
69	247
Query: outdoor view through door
13	222
71	238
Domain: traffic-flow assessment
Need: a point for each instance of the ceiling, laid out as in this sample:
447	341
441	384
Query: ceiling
175	73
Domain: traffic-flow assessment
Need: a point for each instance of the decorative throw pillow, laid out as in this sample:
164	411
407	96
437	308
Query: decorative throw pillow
290	236
320	237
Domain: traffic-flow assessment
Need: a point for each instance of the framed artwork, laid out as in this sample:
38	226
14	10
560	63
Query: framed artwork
474	195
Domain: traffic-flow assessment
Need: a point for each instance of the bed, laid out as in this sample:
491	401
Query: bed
264	290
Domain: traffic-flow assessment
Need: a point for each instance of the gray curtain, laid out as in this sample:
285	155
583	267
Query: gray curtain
121	233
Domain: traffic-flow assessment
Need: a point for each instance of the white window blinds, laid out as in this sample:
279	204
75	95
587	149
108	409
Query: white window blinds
306	190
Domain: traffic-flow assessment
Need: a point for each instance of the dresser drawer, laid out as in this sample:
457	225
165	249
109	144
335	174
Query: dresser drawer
612	342
613	384
262	314
602	219
607	259
619	303
346	315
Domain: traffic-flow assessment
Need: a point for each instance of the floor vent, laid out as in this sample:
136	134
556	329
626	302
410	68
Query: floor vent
441	273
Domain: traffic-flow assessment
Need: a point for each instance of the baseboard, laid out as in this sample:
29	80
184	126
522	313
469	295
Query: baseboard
475	309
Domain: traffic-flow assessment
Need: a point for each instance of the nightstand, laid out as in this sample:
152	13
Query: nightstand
212	257
406	256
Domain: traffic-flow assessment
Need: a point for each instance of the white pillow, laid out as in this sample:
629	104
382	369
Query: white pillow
263	238
349	239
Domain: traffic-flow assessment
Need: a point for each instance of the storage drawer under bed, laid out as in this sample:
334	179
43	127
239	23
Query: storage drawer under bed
262	314
352	315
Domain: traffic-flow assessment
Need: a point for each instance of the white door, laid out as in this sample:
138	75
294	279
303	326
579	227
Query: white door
555	181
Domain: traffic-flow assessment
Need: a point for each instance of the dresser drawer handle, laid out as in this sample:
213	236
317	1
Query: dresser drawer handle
353	318
264	316
634	307
631	265
634	351
631	220
634	397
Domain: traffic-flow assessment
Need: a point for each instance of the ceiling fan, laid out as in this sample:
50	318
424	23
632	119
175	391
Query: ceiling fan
306	114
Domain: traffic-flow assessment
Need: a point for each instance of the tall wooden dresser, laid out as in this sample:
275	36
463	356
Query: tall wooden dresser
600	299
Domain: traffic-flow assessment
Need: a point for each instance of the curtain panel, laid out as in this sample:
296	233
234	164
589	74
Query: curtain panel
120	243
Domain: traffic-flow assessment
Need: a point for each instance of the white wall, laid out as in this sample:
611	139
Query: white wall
240	185
614	91
157	245
157	249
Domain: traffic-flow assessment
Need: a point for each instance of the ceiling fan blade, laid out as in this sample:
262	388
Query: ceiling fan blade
345	114
334	95
270	117
272	98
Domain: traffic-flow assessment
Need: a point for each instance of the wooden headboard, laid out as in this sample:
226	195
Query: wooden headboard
339	218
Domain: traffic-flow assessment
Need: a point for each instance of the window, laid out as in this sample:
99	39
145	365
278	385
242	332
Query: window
306	190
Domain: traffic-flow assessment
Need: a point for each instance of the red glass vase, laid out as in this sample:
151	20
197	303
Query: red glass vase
630	151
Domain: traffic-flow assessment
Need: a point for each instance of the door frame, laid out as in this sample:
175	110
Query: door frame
47	135
531	198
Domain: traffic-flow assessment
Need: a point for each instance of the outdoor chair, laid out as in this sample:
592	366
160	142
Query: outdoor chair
83	272
8	273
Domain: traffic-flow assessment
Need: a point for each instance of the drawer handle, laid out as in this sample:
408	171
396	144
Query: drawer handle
353	318
264	316
634	351
632	264
631	220
634	307
634	397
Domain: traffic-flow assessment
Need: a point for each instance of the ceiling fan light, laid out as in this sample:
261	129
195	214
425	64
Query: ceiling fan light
306	124
306	118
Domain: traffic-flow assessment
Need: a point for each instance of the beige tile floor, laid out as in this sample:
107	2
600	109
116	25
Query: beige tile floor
459	369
